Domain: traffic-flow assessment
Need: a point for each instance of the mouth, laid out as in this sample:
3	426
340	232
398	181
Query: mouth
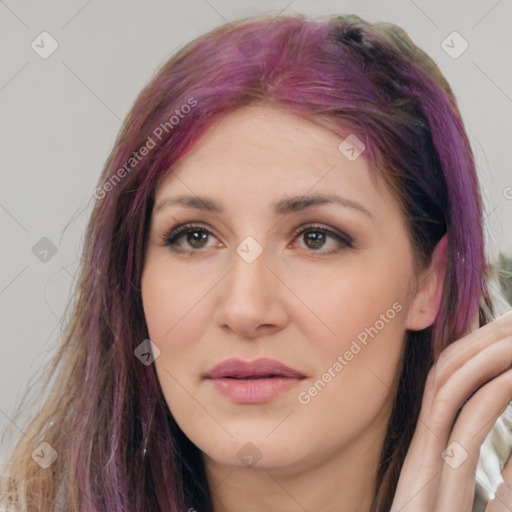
253	382
255	377
258	369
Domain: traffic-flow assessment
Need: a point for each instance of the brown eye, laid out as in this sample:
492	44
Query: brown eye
316	237
194	235
196	238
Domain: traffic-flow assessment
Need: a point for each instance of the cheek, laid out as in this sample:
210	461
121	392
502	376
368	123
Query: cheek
170	299
172	308
177	314
353	306
357	366
358	344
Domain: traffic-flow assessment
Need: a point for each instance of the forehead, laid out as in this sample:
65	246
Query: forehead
265	150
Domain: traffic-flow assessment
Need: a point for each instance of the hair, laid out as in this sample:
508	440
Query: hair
118	445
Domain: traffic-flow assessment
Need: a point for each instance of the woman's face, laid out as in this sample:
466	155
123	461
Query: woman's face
323	288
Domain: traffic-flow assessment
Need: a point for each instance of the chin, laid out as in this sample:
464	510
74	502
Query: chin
248	455
253	450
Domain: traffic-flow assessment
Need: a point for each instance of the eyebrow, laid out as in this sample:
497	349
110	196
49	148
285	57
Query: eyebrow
282	207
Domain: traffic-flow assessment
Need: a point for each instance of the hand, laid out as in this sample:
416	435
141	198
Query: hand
478	363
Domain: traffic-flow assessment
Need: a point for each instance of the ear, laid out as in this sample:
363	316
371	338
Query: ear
426	303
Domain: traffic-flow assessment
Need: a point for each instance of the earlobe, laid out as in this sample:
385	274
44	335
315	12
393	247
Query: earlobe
426	303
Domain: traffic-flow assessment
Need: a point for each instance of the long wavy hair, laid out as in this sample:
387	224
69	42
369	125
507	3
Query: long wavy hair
100	409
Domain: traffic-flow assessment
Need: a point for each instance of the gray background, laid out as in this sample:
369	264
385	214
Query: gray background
60	116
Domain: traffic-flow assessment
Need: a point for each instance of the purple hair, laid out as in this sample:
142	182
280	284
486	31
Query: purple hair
371	81
123	448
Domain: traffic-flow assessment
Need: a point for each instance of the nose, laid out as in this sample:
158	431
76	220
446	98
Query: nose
249	299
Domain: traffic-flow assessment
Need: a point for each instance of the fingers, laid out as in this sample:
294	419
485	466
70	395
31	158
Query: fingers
454	377
435	423
463	350
484	366
478	416
470	363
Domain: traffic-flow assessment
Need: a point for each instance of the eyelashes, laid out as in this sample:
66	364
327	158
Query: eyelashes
173	236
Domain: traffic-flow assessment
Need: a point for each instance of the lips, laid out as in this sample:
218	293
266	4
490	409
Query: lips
254	382
258	369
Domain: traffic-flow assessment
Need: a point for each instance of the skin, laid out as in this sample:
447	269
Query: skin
479	361
299	302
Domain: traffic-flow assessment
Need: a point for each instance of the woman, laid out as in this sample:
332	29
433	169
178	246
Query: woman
282	304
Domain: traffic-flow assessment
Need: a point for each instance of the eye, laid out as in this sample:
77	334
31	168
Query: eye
196	236
315	238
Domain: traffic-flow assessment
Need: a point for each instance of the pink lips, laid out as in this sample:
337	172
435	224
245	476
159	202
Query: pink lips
253	382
